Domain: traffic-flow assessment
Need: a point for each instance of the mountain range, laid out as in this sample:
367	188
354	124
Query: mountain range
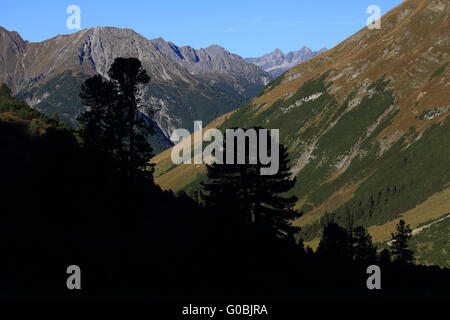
217	67
366	124
186	84
276	62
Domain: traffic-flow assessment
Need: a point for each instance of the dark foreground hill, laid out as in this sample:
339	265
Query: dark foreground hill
62	205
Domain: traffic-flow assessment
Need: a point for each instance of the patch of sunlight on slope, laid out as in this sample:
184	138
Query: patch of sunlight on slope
314	243
434	207
337	199
170	176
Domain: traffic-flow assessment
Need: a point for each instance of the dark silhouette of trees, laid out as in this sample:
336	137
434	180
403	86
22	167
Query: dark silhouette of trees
385	257
113	120
363	250
350	232
351	243
400	249
246	198
98	134
63	204
334	243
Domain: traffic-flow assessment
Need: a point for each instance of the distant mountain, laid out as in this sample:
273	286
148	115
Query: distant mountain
48	75
366	124
276	62
218	67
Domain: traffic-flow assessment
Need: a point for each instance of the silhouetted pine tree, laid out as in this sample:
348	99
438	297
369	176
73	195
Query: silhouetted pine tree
247	198
363	250
400	249
113	120
99	99
385	257
334	243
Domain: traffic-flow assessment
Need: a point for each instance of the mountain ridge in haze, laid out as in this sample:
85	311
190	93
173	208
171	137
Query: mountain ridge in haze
276	62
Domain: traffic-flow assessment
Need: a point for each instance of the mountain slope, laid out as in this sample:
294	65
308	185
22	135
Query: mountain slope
276	62
11	47
366	123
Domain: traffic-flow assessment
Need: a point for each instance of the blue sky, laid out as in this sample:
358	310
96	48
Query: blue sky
246	27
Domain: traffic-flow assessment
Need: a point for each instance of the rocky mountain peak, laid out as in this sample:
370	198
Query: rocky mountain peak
276	62
305	49
277	52
11	47
218	61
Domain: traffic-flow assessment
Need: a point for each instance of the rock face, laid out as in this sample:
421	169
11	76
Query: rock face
276	62
214	63
48	74
12	46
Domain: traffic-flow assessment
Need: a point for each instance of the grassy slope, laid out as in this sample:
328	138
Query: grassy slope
170	176
19	124
432	246
434	207
16	112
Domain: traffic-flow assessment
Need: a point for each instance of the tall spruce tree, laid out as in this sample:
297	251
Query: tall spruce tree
363	249
334	244
385	257
247	198
400	249
113	119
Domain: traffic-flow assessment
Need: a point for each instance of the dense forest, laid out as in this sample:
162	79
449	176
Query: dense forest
88	198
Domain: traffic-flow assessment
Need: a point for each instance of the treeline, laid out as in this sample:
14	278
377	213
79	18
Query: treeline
91	201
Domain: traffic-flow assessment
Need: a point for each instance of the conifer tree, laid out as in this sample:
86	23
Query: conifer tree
113	120
385	257
400	249
363	250
247	198
334	243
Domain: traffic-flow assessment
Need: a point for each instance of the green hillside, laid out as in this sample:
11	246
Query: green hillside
366	128
432	246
